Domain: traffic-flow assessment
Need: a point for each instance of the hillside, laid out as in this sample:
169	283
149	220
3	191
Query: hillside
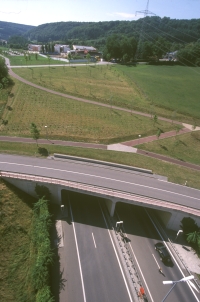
153	27
8	29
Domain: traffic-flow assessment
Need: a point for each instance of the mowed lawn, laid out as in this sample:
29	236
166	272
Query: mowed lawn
170	91
185	147
169	87
31	60
71	120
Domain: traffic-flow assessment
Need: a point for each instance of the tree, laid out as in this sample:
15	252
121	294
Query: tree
188	225
194	238
88	57
3	69
35	132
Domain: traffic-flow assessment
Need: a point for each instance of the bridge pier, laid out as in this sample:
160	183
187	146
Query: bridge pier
110	203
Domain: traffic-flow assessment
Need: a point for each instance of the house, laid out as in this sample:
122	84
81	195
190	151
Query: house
34	47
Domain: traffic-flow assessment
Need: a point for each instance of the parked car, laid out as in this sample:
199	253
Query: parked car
163	252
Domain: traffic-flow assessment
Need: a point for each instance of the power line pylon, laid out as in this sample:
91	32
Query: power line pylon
146	12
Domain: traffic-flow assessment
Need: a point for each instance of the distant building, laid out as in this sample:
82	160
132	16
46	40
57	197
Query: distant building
61	48
33	47
84	48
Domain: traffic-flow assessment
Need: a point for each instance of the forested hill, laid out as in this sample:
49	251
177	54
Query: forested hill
8	29
153	27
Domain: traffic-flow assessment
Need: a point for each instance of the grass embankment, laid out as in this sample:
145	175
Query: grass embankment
185	147
21	230
176	174
170	91
15	225
71	120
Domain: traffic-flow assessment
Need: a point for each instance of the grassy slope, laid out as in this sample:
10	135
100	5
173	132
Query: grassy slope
153	89
21	61
71	120
172	87
15	219
184	147
177	175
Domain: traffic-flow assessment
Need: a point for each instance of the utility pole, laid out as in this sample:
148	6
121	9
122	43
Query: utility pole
146	12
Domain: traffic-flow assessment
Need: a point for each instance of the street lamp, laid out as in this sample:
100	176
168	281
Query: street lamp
118	225
139	136
180	231
46	131
174	284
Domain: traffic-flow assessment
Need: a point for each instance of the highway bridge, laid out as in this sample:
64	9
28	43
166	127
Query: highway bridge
112	183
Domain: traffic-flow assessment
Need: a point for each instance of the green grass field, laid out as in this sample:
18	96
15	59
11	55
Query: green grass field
21	61
170	91
185	147
170	87
71	120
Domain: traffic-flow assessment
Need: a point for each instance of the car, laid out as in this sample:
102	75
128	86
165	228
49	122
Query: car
163	252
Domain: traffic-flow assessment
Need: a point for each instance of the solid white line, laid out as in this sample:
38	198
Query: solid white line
141	273
139	266
156	261
101	177
171	253
116	255
94	241
79	262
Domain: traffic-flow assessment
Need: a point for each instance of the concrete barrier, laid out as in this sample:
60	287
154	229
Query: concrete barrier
94	161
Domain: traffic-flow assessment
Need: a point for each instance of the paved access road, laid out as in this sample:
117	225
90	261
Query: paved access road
98	275
104	176
143	236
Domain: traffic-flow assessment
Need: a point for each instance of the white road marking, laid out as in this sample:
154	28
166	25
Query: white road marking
116	255
94	241
79	261
171	254
156	261
138	266
102	177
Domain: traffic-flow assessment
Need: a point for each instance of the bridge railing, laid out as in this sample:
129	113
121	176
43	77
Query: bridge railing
106	192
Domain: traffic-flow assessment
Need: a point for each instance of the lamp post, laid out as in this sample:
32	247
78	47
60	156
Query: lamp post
180	231
118	225
46	131
174	284
139	136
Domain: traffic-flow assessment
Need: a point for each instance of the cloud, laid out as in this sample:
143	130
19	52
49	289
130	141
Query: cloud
123	15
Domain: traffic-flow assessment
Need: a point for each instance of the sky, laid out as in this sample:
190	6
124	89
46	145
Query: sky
37	12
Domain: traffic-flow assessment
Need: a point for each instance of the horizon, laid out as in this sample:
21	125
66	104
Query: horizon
39	12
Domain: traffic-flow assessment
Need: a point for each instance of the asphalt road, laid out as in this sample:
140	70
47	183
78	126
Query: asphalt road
104	176
101	279
143	236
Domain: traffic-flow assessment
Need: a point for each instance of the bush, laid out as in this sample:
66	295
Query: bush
43	151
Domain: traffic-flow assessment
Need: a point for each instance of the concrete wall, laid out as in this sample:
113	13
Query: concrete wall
29	188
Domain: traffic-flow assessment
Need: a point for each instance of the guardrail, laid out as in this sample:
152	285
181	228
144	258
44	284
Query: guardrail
106	192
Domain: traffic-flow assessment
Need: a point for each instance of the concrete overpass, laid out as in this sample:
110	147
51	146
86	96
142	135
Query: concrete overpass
113	183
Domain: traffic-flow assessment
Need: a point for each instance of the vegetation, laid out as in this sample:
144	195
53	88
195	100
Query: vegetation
9	29
191	232
72	120
185	147
41	252
15	244
144	88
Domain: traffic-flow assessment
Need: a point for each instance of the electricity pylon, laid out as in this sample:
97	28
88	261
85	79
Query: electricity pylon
146	12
